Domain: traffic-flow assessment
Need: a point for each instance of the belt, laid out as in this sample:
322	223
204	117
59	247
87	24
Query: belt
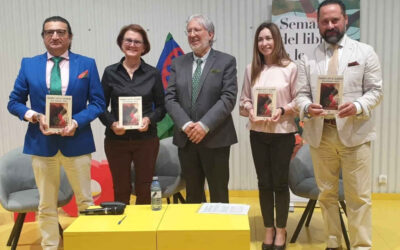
330	121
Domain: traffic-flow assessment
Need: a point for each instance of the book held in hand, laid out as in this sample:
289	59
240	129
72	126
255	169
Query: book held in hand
264	102
330	92
130	112
58	112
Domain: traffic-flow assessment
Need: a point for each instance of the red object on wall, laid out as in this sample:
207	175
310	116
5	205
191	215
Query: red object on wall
102	174
102	187
29	217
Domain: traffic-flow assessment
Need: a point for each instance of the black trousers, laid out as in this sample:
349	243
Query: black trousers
271	155
199	163
120	155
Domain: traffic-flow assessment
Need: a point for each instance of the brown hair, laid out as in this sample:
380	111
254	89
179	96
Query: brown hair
279	55
136	28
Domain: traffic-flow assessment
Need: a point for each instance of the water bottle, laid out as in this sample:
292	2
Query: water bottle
155	194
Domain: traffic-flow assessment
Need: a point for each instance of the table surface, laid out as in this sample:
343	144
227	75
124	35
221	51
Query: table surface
186	217
170	217
138	218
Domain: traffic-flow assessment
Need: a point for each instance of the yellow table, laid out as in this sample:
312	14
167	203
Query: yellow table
182	228
102	232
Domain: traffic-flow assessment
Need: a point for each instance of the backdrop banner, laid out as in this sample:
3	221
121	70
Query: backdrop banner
297	21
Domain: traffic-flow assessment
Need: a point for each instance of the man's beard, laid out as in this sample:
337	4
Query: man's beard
333	38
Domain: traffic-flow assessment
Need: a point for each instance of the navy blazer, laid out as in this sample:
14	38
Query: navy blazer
87	104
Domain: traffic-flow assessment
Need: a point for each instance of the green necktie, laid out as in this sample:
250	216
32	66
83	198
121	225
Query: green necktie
196	82
55	77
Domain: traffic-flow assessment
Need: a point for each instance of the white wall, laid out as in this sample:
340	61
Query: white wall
96	23
380	28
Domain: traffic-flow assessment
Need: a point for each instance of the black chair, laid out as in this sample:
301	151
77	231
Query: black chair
302	183
18	191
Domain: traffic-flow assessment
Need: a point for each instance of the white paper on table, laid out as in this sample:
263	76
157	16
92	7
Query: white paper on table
224	208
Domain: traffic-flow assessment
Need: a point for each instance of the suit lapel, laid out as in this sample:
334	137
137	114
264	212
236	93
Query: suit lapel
346	55
73	72
321	56
188	68
209	63
42	73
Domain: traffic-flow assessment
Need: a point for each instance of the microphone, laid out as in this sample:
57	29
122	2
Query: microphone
112	204
104	211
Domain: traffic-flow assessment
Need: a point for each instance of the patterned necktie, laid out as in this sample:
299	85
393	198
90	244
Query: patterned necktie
55	77
333	62
196	81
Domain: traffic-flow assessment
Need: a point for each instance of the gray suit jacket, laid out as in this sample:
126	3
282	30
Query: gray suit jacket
214	104
362	82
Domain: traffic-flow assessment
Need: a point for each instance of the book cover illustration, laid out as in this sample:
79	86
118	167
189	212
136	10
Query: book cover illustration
58	112
330	93
264	101
130	112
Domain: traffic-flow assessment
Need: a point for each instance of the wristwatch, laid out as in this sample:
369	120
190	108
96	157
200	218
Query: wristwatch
306	114
282	110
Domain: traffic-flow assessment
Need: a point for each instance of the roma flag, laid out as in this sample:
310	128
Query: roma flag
171	50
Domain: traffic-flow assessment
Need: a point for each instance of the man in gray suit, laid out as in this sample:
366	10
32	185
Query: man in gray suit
341	142
200	97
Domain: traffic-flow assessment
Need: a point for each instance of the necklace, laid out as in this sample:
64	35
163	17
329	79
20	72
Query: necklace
129	69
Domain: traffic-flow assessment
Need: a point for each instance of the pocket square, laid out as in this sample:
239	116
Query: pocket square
215	71
84	74
355	63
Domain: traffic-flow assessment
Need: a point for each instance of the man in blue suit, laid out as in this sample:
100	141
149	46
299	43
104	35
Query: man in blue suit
58	71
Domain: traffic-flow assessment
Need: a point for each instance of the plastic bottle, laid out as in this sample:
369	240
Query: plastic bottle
156	195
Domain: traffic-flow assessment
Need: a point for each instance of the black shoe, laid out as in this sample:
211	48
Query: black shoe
267	246
333	248
283	247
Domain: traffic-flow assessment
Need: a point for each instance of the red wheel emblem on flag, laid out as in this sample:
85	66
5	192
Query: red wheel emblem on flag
166	71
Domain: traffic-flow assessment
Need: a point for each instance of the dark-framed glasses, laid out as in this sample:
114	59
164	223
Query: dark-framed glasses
49	33
136	43
194	31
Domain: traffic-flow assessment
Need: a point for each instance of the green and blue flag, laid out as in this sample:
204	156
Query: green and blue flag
171	50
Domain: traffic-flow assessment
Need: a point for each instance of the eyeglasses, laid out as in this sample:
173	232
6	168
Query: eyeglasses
136	43
49	33
194	31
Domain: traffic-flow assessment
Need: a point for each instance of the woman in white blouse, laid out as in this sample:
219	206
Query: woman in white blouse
271	133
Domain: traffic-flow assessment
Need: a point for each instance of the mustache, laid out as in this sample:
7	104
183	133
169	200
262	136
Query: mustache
335	30
333	35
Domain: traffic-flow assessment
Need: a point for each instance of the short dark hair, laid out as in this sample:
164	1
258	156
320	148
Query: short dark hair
327	2
136	28
57	19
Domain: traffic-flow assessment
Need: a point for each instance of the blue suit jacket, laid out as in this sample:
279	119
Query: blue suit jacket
87	104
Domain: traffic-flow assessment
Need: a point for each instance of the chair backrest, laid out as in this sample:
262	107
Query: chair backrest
301	176
168	169
167	163
301	167
18	181
16	173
